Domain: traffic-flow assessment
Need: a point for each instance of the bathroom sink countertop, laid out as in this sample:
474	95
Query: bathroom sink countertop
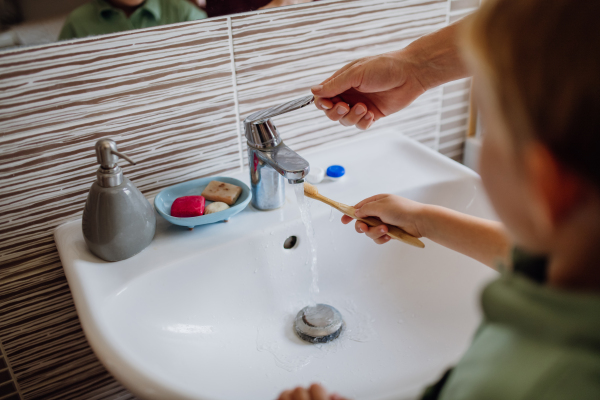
207	314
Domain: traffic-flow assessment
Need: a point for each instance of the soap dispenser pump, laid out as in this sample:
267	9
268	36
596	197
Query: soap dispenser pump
118	221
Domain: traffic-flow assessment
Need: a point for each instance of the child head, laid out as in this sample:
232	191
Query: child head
536	66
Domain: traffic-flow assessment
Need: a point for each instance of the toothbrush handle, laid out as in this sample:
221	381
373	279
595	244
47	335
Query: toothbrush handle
393	231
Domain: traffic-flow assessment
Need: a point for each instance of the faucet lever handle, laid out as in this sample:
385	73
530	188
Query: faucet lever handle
263	115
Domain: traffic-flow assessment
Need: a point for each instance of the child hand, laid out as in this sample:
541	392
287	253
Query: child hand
314	392
392	210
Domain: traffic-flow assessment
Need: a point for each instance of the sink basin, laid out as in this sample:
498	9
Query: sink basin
208	313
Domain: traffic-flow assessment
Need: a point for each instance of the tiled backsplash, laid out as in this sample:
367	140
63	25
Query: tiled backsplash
173	98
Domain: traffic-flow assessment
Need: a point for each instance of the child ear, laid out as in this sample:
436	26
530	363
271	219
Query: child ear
556	189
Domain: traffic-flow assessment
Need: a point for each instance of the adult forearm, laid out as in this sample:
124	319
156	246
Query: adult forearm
484	240
437	57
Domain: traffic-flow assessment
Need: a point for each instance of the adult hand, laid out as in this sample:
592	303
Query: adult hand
373	87
368	89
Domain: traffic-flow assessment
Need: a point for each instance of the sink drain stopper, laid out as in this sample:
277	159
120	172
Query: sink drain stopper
320	323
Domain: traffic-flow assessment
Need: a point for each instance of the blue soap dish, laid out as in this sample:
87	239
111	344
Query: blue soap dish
166	197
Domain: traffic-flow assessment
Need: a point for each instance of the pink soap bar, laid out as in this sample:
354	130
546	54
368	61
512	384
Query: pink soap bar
188	206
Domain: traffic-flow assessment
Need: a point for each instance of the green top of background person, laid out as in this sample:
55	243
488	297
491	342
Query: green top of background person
109	16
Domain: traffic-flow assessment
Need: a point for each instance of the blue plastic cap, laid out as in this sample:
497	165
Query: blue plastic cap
336	171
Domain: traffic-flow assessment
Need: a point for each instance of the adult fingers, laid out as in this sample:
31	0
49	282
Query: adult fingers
323	103
317	392
339	71
354	115
338	84
338	111
366	121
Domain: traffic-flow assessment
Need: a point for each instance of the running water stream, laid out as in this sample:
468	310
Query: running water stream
358	325
310	233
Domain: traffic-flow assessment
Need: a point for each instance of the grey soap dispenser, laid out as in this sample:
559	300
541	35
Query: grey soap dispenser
118	221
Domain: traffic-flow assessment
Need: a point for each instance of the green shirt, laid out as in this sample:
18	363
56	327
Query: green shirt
535	342
99	17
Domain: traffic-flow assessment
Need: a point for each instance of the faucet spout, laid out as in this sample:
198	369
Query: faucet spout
285	161
268	170
270	160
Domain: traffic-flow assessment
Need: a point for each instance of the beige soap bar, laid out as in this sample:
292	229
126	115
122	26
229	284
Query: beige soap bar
217	206
221	191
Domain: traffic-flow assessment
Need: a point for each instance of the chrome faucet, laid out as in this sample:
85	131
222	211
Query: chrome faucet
269	159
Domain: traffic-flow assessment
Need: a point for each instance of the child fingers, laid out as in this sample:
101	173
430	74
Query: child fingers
366	121
361	227
300	394
287	395
336	396
346	219
382	240
317	392
375	208
368	200
377	232
354	115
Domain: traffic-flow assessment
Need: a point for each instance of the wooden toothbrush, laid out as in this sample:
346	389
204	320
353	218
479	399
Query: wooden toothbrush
393	231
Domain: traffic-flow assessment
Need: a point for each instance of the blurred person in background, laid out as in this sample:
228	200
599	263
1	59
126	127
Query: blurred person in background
216	8
109	16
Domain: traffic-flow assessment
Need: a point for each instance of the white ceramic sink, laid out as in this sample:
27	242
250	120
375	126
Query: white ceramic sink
207	314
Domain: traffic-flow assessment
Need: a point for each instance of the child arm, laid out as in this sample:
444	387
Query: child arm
484	240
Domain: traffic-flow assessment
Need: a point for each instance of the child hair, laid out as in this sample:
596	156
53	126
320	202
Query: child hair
542	59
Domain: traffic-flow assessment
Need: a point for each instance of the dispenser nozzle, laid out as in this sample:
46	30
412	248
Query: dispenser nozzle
123	156
107	154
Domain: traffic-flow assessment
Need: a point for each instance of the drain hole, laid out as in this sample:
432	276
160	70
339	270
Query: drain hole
290	242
